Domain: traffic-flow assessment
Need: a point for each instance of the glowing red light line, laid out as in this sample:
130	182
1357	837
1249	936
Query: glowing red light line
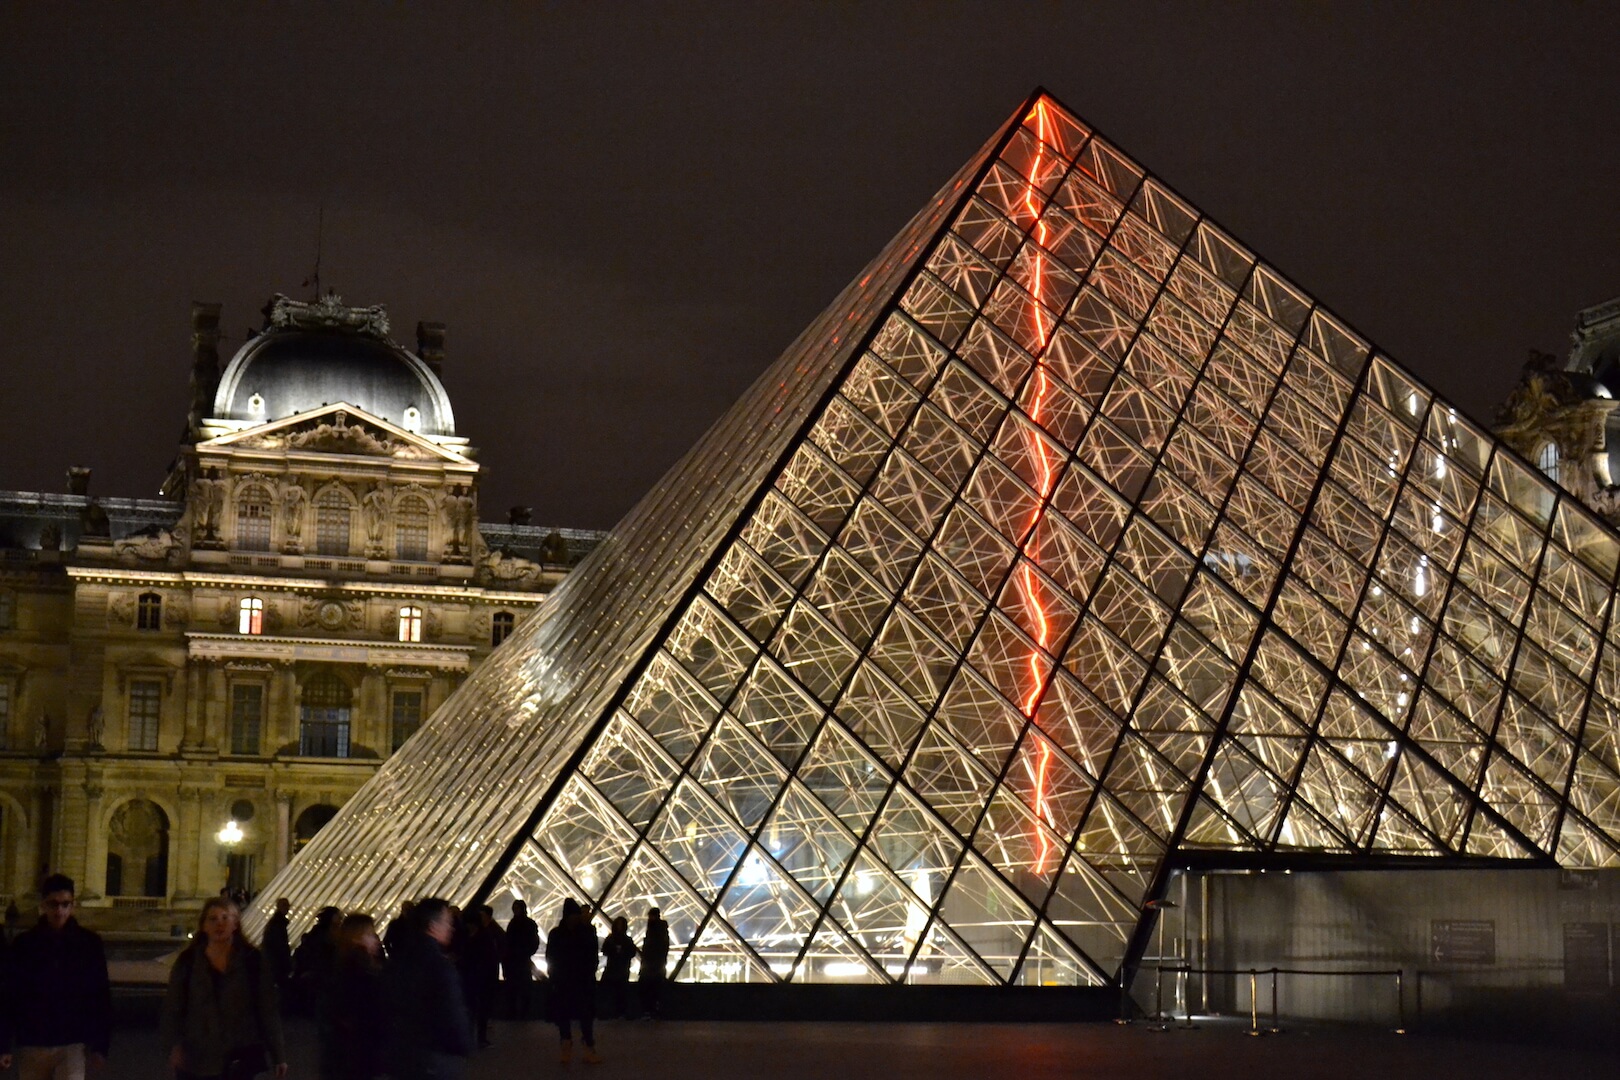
1029	583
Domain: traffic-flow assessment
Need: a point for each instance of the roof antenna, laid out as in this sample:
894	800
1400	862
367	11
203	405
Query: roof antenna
320	229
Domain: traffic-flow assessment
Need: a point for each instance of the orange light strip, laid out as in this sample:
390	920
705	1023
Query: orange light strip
1046	477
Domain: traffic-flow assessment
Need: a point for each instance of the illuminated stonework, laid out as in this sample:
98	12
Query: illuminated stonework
1069	546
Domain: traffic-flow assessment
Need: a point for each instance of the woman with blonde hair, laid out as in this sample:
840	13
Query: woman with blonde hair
220	1017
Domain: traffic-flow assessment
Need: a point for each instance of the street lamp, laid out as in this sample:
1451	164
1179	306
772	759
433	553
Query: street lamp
230	834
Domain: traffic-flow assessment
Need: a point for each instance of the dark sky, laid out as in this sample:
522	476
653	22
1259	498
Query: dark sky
625	212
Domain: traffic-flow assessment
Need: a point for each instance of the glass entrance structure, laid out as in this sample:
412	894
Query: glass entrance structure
1072	544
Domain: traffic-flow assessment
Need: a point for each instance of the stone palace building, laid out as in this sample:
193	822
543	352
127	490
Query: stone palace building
191	686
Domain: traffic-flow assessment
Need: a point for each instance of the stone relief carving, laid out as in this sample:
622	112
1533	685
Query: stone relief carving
331	615
121	610
151	544
503	567
176	612
327	313
340	437
432	624
227	614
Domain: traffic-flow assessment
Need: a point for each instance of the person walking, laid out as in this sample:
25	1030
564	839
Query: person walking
522	942
220	1019
431	1033
59	1008
571	959
480	966
313	962
617	953
354	1027
277	946
654	955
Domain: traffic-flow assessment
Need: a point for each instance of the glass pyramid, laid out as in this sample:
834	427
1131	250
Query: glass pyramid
1069	544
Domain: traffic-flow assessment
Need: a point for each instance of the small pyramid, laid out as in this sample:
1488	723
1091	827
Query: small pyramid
1070	541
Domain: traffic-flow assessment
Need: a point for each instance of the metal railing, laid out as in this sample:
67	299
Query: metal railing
1163	1022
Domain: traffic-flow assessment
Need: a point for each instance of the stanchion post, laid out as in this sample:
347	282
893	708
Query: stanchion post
1400	1001
1276	1028
1124	1016
1254	1003
1158	995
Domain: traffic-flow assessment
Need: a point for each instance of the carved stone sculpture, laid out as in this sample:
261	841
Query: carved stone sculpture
152	545
458	508
374	507
293	500
503	567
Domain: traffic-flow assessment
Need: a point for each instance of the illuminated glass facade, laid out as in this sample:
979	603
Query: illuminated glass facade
1072	543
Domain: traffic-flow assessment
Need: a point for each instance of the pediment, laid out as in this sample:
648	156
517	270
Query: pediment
339	428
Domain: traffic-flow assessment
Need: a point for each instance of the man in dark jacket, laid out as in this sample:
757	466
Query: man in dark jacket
59	1011
522	942
278	948
654	955
571	958
432	1035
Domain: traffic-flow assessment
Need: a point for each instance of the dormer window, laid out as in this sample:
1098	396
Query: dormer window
413	419
250	616
256	405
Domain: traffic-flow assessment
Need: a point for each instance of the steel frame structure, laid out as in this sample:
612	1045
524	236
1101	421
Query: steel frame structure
1071	545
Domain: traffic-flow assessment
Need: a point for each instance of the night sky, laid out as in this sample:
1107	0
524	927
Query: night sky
625	212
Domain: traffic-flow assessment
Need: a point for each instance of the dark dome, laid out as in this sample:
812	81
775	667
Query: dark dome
294	371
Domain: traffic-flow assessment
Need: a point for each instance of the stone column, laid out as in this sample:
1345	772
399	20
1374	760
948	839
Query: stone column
283	849
95	858
214	707
183	844
196	674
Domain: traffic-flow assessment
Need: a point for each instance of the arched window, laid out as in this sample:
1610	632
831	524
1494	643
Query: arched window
410	623
500	626
411	529
138	850
1547	461
253	519
334	517
250	615
149	611
324	712
311	821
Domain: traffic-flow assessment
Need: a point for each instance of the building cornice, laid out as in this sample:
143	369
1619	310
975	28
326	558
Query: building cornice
113	575
202	645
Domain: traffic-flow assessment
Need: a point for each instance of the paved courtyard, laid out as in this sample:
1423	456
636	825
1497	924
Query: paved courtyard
675	1050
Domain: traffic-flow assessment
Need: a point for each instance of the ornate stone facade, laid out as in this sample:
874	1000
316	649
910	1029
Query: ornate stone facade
251	647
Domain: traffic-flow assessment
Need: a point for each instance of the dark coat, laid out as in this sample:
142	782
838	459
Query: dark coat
655	950
277	948
57	989
617	950
522	940
208	1014
355	1029
571	959
431	1033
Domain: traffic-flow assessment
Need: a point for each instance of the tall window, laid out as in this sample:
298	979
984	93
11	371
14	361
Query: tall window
149	611
250	616
8	609
407	710
323	729
5	715
247	717
253	520
410	623
411	529
1547	460
145	708
333	517
501	626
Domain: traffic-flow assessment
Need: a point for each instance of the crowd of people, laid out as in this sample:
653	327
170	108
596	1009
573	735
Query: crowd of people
413	1004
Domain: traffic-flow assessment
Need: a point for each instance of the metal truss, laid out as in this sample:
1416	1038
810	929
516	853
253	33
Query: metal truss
1071	545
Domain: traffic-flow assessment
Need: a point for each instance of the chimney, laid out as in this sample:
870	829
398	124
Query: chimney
430	345
78	477
204	365
520	515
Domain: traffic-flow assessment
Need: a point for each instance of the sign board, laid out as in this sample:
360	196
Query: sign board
1462	941
1586	956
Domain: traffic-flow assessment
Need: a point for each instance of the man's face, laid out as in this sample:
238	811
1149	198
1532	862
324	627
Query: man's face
57	908
442	929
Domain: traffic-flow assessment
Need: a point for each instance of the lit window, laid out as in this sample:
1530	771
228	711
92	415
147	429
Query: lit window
149	611
1547	461
334	517
501	627
407	710
145	710
410	623
250	616
411	529
247	717
413	419
253	520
